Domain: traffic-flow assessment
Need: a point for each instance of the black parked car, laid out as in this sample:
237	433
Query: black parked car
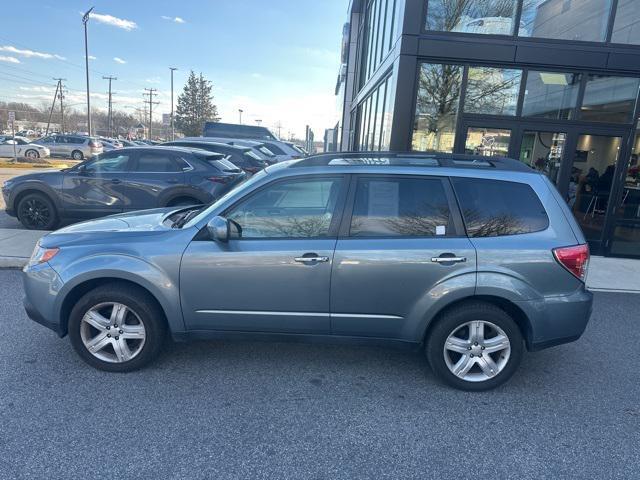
241	156
119	181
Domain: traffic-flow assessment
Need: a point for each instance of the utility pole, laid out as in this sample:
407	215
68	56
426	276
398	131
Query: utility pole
85	20
151	103
61	94
173	132
55	95
110	108
279	127
240	112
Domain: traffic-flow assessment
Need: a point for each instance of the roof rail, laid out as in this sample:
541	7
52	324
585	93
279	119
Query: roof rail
411	159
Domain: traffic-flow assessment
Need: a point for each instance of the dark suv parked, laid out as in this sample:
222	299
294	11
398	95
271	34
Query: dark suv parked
243	157
120	181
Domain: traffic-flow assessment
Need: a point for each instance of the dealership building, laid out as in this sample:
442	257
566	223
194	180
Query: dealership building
554	83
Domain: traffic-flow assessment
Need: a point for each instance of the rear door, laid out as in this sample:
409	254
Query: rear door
151	175
401	246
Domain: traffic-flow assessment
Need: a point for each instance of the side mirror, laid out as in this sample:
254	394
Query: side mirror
219	229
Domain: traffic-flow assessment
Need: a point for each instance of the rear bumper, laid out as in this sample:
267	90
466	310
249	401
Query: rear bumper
557	320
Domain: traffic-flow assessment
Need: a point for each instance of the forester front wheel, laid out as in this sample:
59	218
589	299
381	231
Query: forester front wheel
117	328
475	346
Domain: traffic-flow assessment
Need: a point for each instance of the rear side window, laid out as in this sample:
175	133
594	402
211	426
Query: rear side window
401	207
222	164
156	163
275	149
494	208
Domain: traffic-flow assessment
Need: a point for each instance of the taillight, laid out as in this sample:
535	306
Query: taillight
93	144
223	180
575	259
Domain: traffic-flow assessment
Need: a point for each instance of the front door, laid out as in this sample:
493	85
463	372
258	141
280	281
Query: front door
97	187
543	148
274	276
402	248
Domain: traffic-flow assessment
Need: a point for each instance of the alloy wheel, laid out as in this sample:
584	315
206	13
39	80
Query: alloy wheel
32	154
35	213
477	351
112	332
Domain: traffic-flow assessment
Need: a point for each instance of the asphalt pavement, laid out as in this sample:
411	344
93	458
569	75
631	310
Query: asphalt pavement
263	410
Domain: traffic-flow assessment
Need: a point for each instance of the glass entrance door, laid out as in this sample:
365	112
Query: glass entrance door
626	231
543	151
592	177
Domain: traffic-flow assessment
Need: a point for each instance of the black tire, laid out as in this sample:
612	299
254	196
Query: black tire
455	318
36	211
77	155
138	301
32	154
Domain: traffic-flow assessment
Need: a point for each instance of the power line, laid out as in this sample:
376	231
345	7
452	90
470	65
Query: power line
151	103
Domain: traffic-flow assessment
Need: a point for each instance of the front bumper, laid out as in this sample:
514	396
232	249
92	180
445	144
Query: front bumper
41	285
557	320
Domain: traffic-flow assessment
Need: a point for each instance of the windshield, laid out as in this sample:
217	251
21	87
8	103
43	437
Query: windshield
242	187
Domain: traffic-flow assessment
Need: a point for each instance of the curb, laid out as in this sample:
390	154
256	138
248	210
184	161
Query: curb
13	262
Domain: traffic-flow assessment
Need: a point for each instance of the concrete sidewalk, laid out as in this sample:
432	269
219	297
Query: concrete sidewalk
16	246
605	274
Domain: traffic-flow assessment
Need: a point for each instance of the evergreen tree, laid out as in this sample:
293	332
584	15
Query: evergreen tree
195	106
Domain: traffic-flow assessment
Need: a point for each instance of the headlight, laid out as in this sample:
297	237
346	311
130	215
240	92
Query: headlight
42	255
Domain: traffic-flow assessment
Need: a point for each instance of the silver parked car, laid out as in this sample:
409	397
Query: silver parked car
473	259
78	147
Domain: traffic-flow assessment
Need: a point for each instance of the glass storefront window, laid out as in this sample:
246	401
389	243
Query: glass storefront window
492	91
626	236
438	94
609	99
551	95
584	20
543	151
490	142
592	177
626	28
494	17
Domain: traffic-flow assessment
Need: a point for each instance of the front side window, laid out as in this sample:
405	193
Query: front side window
584	20
494	17
494	208
609	99
400	207
289	209
156	163
551	95
434	125
492	91
108	164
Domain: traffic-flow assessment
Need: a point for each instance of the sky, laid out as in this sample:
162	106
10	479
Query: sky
277	60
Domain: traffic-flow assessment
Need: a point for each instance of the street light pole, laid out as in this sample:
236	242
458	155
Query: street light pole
173	132
240	112
85	20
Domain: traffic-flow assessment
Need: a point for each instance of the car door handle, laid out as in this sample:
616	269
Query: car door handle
452	259
116	180
310	259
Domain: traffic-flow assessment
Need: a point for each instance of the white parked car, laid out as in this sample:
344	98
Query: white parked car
23	148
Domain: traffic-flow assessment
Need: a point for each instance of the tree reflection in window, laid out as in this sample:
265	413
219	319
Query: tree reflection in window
437	107
409	207
493	208
294	209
